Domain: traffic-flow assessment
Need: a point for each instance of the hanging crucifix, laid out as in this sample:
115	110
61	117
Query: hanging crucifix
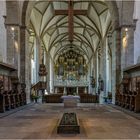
70	12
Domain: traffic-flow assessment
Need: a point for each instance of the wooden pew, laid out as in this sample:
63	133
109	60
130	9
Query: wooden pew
129	100
88	98
12	99
7	101
53	98
2	103
137	103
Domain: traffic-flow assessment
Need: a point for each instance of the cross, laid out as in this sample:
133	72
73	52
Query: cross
70	12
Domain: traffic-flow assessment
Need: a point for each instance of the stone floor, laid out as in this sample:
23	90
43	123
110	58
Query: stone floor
39	121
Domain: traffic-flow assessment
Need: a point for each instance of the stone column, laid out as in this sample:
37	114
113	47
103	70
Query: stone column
65	91
22	54
34	69
116	61
104	67
13	47
13	34
127	25
127	36
77	91
3	33
51	76
97	72
89	79
25	61
94	68
37	58
48	70
107	67
10	45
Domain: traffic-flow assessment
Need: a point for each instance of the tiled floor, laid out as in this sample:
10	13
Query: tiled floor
40	121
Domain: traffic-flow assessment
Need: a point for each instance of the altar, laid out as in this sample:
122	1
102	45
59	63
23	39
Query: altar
69	87
70	100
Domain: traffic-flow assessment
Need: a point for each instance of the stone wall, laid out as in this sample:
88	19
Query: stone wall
137	33
2	32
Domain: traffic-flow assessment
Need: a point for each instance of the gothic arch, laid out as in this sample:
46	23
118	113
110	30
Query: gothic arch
28	6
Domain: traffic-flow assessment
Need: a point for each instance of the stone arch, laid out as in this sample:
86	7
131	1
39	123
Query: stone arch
26	11
114	12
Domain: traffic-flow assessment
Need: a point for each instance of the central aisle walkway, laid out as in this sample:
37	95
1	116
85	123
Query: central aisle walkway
39	121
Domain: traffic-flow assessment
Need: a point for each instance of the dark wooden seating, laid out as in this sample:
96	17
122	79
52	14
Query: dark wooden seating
12	92
53	98
89	98
7	101
129	100
17	100
2	103
24	98
10	99
137	103
132	102
128	92
84	98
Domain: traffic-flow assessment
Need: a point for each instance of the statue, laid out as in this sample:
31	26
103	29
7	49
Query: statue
100	90
92	81
101	83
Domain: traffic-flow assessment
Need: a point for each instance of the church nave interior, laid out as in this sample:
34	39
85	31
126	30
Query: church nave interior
59	56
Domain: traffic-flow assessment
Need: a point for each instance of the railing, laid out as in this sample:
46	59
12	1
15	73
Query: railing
84	98
39	85
70	83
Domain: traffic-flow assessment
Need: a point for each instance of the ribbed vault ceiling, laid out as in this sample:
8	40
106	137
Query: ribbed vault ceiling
52	29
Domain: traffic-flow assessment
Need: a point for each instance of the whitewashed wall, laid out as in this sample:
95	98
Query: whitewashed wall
3	44
137	32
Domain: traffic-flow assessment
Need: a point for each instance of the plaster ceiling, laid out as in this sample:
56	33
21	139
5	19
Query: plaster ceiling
53	31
